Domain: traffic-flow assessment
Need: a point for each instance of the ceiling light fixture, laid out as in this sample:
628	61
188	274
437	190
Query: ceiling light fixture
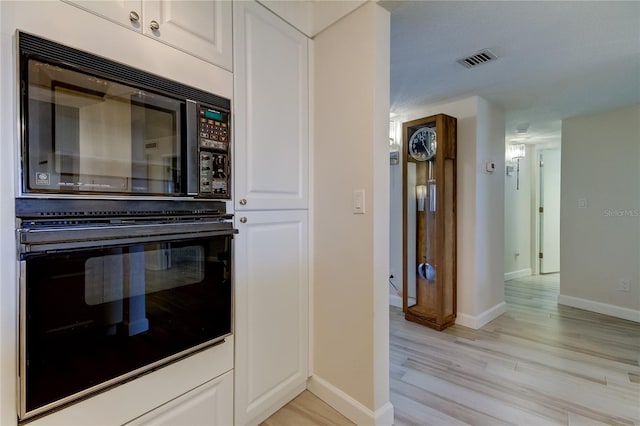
522	129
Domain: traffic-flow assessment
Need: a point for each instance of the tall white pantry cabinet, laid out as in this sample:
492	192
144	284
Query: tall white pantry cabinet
271	211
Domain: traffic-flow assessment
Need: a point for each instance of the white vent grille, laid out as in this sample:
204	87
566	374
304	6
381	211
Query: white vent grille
482	57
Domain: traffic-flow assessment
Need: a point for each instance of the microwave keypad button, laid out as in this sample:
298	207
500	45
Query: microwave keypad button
207	143
206	165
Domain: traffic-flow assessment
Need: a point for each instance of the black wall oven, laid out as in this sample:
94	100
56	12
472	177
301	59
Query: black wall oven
94	126
111	289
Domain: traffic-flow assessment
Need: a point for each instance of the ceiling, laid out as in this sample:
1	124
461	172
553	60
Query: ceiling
556	59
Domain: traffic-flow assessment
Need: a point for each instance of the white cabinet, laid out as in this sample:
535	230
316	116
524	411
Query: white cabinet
271	111
271	150
198	27
271	317
209	404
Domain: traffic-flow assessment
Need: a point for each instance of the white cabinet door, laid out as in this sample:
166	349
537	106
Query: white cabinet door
271	111
271	317
201	28
209	404
123	12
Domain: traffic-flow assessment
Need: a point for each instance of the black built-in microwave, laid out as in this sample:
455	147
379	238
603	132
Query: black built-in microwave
94	126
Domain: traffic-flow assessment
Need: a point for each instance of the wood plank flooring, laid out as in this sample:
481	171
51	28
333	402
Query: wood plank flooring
306	410
538	364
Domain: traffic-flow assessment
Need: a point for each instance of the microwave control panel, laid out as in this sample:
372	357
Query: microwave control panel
213	147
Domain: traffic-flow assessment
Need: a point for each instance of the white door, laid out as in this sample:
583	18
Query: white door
201	28
550	211
271	317
271	111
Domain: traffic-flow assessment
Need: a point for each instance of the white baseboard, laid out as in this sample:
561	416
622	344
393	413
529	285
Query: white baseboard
517	274
395	300
601	308
349	407
478	321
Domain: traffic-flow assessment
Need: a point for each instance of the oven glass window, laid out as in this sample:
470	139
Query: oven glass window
95	315
88	134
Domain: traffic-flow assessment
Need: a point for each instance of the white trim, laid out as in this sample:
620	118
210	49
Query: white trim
482	319
517	274
599	307
311	208
395	300
348	406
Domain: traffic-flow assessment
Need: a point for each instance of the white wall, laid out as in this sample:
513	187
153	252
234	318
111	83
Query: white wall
480	207
517	217
350	251
395	227
489	213
600	244
311	17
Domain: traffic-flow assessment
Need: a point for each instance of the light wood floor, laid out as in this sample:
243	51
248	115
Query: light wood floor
540	363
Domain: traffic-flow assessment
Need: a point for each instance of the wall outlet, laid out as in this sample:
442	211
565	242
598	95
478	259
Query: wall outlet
624	285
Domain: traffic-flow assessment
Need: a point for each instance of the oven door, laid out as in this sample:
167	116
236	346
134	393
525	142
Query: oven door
94	313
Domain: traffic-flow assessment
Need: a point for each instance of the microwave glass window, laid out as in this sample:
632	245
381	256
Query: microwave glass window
89	134
97	314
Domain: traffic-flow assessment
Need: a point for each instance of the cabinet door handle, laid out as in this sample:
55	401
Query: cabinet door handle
243	220
133	16
154	25
243	202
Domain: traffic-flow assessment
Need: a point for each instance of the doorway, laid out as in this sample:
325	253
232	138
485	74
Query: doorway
549	162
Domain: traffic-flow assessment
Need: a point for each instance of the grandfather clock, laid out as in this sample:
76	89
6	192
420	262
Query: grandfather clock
429	221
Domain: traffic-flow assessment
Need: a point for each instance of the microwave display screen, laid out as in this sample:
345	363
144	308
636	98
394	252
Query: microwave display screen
88	134
214	115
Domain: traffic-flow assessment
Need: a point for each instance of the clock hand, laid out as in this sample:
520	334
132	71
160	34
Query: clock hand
425	145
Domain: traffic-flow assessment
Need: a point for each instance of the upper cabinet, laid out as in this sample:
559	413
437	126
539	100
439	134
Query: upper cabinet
271	111
202	28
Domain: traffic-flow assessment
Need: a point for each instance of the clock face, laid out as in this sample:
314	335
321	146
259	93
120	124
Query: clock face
422	145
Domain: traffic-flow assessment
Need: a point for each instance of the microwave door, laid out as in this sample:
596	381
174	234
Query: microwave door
155	147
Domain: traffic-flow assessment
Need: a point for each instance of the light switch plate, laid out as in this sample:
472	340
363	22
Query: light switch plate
358	201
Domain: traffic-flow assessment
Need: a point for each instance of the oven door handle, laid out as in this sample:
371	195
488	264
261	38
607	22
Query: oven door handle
64	234
44	246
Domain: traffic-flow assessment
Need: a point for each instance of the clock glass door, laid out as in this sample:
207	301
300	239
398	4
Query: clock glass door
429	221
421	214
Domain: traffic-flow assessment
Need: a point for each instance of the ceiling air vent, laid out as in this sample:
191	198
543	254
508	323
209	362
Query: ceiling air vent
479	58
